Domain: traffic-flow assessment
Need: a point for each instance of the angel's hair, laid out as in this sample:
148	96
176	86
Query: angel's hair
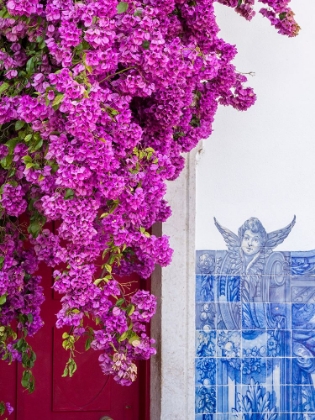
254	225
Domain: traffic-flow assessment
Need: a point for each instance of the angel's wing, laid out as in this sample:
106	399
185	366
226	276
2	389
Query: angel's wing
278	236
232	241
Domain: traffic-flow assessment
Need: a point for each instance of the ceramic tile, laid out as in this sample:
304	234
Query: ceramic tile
205	262
303	263
255	336
223	416
205	343
228	287
228	399
303	293
228	315
205	400
229	344
205	288
206	417
254	369
229	370
303	316
254	343
206	371
206	316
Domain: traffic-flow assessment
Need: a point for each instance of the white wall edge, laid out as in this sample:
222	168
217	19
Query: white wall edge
172	369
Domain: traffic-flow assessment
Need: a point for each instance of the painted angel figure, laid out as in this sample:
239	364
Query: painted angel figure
255	303
251	270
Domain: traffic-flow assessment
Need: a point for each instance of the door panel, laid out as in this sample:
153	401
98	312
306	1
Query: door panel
96	390
88	395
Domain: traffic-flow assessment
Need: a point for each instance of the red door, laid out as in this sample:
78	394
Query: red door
88	395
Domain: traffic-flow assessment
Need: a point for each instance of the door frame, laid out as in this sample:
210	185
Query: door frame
173	327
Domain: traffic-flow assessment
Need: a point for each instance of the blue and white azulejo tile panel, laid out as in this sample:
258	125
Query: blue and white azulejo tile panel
255	328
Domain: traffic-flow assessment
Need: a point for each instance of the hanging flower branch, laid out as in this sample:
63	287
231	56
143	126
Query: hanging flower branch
99	100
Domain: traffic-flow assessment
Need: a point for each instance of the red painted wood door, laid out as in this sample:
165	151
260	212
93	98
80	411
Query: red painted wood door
88	395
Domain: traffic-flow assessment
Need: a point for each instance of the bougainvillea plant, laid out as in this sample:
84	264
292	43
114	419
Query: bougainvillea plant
99	101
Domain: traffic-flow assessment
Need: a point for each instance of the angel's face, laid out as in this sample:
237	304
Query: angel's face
251	242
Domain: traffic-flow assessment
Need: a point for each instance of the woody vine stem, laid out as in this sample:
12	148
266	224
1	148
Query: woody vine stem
99	101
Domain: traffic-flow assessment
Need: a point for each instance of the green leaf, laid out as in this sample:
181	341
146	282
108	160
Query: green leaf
58	99
27	159
146	44
123	336
88	343
34	228
6	162
122	7
30	65
29	165
65	372
98	281
2	408
282	15
195	121
112	259
31	385
5	14
89	68
26	361
111	111
54	166
3	299
130	309
11	172
28	137
134	339
72	367
21	344
108	267
41	42
5	86
26	377
12	143
114	206
37	146
65	335
66	345
138	12
68	194
120	302
19	124
33	356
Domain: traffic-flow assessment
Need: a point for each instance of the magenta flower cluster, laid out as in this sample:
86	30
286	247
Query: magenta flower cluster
278	12
99	101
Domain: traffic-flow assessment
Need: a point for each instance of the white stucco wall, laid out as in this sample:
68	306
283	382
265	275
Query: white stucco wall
262	162
257	163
